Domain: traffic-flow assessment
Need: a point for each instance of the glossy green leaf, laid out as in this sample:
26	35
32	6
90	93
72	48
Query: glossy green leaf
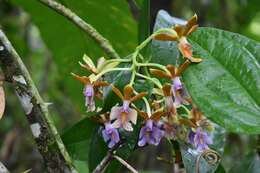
226	85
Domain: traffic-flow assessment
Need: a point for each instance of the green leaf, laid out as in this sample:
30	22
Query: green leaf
144	25
248	164
226	85
77	139
220	169
68	43
81	166
144	21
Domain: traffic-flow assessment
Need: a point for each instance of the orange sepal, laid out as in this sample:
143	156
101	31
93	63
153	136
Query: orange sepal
195	60
138	96
100	83
191	23
128	91
160	73
165	37
192	29
182	67
179	30
187	122
157	115
117	92
83	79
172	69
166	90
143	114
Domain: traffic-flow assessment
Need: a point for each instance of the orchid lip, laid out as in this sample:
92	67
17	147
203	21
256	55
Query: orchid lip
89	91
125	106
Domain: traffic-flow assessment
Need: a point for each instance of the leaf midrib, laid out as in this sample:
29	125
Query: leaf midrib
231	74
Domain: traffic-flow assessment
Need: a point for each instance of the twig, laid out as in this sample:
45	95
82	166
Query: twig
90	30
125	164
134	9
44	131
3	169
104	163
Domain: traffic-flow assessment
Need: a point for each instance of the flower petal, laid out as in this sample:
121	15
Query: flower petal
128	126
117	123
106	137
115	112
142	142
89	61
132	115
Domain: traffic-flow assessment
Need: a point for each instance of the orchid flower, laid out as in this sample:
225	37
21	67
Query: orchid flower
110	135
169	104
152	131
182	32
123	115
178	90
200	139
90	90
102	64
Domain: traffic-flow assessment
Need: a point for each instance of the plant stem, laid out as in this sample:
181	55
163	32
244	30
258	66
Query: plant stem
44	131
104	163
90	30
154	65
110	70
159	85
131	83
125	164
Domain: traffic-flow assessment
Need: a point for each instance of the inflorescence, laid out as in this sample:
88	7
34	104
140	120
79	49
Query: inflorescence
161	115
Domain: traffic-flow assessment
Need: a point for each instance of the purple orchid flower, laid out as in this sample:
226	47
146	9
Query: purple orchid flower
151	133
200	139
110	135
90	90
176	86
89	97
123	115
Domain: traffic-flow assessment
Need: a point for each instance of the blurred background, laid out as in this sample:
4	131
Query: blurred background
51	47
